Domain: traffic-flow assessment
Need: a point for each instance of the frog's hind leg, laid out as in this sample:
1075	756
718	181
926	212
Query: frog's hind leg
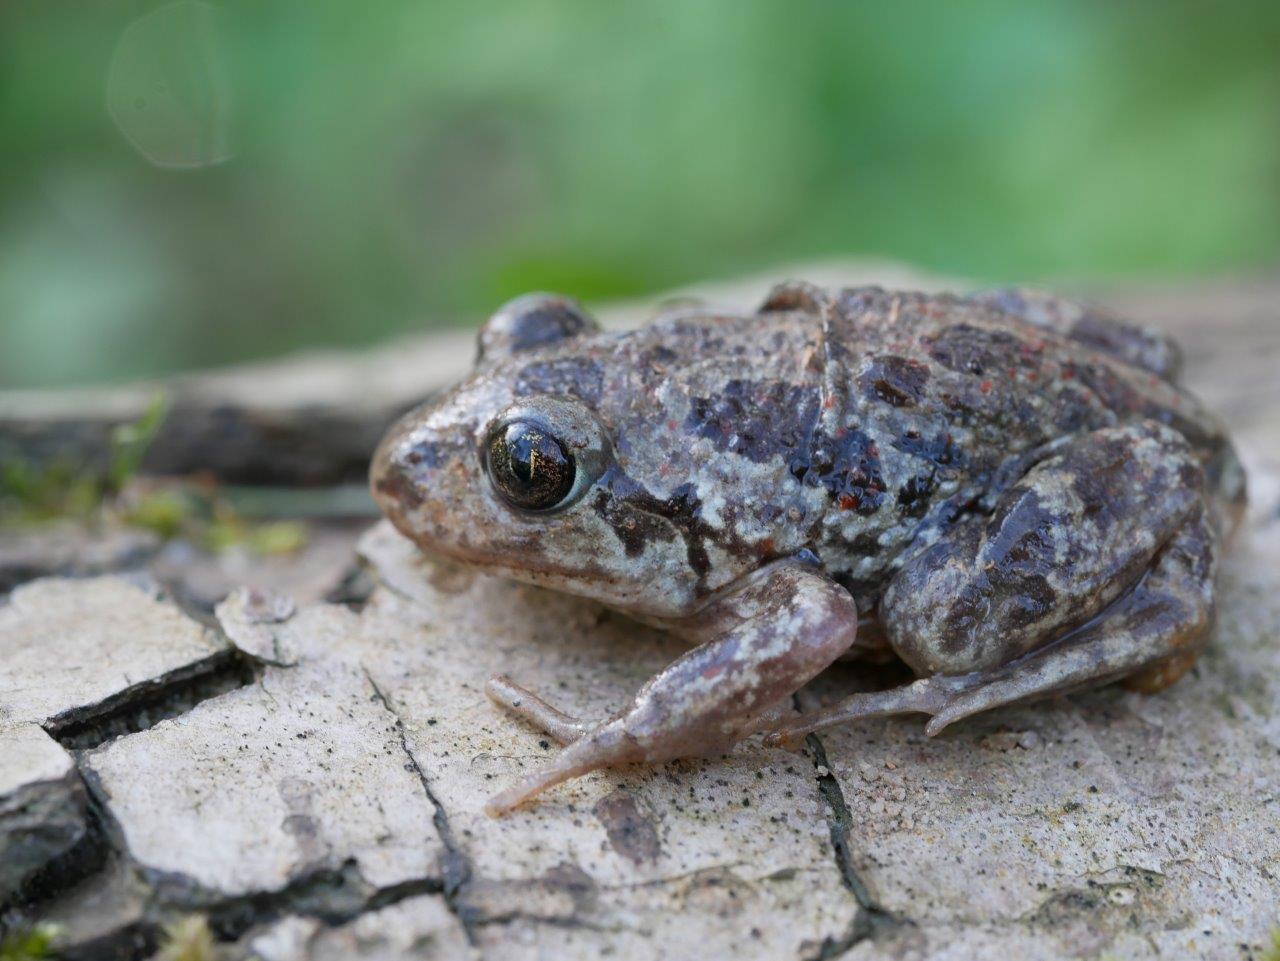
1115	582
524	704
1149	638
756	646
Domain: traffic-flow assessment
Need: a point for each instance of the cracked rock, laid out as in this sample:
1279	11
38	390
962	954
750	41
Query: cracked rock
297	780
730	854
42	804
73	650
417	929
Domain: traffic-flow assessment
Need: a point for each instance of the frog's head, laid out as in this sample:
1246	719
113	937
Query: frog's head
514	470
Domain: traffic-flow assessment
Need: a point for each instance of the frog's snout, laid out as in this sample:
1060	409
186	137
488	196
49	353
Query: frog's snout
406	470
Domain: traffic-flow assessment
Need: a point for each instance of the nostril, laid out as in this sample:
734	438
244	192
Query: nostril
392	474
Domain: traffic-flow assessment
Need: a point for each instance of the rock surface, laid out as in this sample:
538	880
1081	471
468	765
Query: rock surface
324	798
77	650
420	927
299	776
70	551
42	804
732	855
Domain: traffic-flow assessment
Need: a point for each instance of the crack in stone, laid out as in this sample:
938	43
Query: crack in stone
871	920
456	868
145	705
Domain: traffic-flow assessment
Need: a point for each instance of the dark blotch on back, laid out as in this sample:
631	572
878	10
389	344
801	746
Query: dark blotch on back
572	376
895	380
939	449
847	465
914	495
760	420
756	420
975	350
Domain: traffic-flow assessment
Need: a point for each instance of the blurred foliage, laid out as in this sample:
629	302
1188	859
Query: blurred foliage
186	184
1272	952
194	509
34	944
62	488
188	939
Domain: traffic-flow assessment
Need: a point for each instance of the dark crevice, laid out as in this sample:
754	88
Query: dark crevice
872	920
146	705
354	588
331	895
87	856
334	896
455	866
571	923
96	860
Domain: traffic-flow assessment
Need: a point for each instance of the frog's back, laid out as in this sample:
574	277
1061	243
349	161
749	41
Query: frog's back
846	422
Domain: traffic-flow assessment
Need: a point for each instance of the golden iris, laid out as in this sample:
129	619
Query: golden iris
528	467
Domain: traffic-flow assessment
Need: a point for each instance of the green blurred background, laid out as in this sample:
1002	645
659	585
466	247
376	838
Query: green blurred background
188	184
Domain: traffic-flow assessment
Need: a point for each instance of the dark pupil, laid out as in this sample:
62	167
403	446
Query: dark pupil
529	467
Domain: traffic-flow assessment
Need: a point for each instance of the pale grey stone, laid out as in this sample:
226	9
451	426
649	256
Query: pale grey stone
199	579
732	855
71	550
42	804
254	621
73	649
298	775
420	928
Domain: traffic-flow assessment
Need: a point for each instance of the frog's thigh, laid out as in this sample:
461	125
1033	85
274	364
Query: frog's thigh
1063	542
1140	345
756	647
1149	637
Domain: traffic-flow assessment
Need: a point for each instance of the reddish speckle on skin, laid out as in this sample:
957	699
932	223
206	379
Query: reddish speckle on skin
766	545
828	403
672	425
848	502
985	386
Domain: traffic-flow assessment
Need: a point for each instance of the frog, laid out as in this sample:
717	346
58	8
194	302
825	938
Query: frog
1007	491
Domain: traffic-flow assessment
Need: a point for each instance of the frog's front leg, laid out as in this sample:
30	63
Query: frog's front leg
756	646
1097	565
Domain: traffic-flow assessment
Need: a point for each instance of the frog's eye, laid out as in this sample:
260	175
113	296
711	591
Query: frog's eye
528	466
533	320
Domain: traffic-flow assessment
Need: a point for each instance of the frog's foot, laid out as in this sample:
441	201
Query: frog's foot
928	695
527	706
757	646
1149	638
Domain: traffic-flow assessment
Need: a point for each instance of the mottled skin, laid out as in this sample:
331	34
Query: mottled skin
1008	490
